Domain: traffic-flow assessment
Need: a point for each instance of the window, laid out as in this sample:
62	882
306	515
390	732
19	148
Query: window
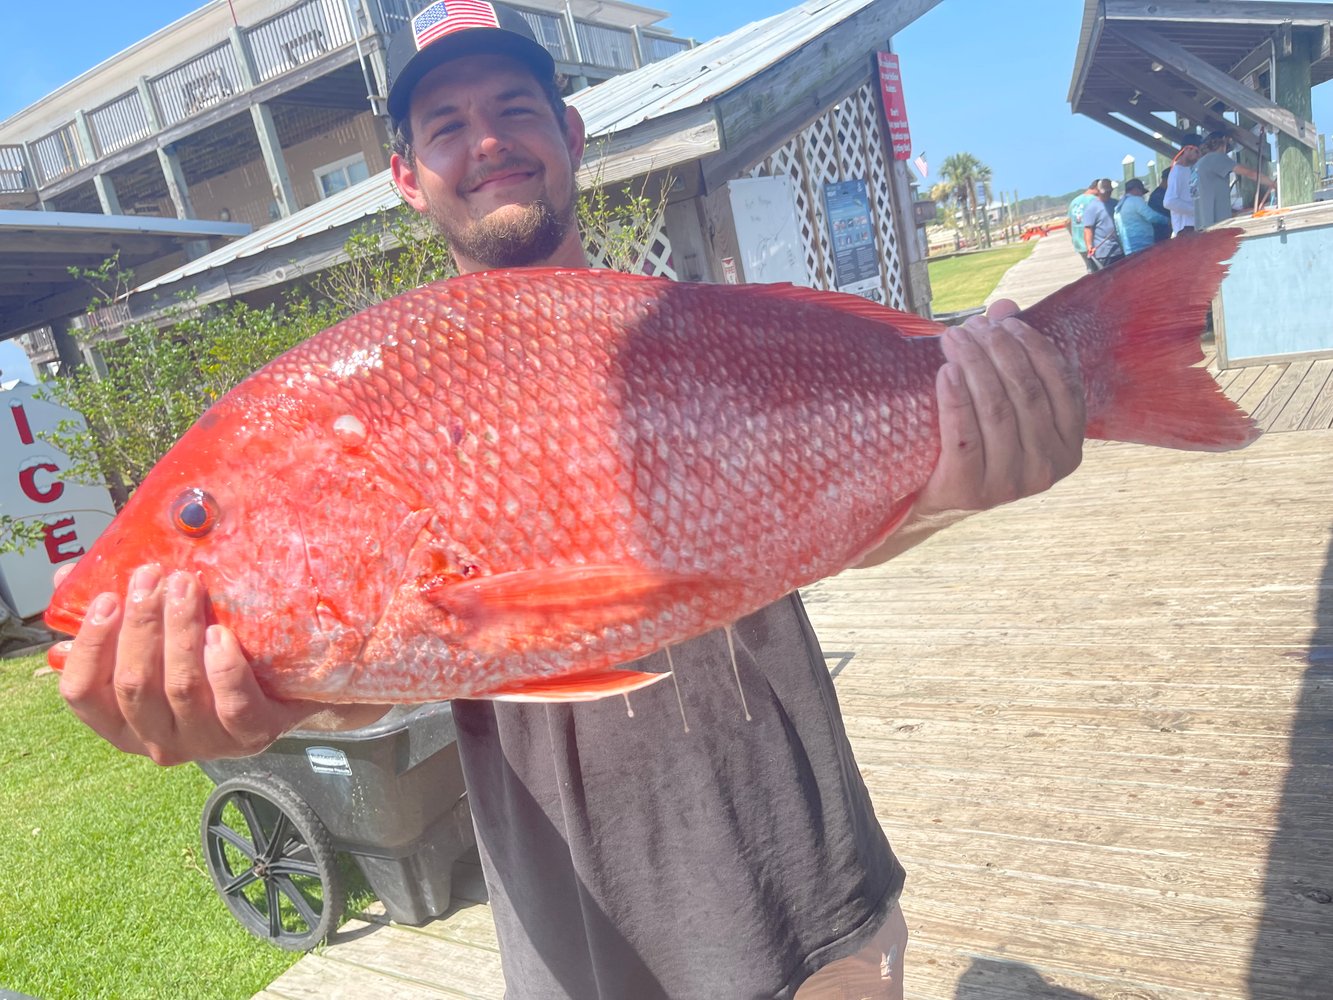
341	174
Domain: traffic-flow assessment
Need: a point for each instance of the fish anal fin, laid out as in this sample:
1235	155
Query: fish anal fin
898	513
588	685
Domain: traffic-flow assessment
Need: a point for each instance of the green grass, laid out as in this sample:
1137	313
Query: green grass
963	282
103	890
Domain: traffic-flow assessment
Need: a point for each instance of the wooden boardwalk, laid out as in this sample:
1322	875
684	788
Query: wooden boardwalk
1097	726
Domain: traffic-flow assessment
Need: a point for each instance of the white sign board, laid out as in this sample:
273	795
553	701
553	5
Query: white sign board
32	488
767	230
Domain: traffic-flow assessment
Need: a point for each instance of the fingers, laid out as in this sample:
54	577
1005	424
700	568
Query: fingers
155	679
86	682
1011	415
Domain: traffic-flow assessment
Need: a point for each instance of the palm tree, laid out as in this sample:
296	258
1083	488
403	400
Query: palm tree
963	172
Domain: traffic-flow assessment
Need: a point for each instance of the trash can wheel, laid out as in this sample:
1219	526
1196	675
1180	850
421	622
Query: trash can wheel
272	861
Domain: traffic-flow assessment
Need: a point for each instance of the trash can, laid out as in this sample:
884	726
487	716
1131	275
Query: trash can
390	795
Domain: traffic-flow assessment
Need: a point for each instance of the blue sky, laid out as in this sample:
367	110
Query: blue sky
978	76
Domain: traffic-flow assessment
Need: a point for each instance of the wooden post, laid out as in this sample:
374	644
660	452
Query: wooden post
1291	86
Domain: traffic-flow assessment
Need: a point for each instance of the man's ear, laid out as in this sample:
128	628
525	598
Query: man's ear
405	176
574	135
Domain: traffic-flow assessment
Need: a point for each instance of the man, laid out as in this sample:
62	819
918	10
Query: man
1212	201
1179	197
1161	231
1135	221
719	842
1099	229
1077	207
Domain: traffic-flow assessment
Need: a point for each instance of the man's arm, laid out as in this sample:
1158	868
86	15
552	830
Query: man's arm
1011	416
149	677
1253	175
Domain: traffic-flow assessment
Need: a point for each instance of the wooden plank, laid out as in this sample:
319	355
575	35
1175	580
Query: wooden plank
1289	380
317	977
1292	414
1168	97
1241	98
1271	14
1320	414
1103	116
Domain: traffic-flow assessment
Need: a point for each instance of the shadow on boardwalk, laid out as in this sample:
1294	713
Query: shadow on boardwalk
1293	954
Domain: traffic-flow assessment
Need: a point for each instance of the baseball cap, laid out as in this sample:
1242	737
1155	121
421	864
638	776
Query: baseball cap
448	29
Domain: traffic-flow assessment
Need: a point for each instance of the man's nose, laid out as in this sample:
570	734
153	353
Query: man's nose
493	142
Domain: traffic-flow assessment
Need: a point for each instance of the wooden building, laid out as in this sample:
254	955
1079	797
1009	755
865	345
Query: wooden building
1164	72
795	98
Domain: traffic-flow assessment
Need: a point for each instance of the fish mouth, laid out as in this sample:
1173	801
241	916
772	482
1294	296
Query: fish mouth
64	619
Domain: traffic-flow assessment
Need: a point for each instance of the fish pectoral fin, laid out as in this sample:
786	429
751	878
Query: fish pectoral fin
564	601
586	686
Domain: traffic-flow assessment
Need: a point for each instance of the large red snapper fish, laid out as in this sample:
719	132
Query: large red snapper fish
504	485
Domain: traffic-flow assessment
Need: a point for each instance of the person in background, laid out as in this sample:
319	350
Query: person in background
626	858
1161	231
1099	233
1212	202
1179	197
1076	210
1104	186
1135	221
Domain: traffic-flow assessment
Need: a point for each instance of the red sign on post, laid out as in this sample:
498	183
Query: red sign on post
895	110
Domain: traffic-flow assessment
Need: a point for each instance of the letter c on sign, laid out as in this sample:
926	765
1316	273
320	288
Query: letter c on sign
28	483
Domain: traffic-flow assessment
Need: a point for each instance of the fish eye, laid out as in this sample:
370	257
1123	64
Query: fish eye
194	513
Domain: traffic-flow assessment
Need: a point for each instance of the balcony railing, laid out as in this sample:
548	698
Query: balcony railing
299	35
276	46
14	177
118	123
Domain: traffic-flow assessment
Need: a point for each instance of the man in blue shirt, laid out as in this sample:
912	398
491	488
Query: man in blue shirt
1099	230
1134	219
1076	209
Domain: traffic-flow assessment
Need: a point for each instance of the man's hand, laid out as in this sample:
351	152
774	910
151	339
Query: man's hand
151	679
1011	418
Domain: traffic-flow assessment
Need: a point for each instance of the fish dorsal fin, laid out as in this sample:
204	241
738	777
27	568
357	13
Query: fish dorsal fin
588	685
908	324
548	608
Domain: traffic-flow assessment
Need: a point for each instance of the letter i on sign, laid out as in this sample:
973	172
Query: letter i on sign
21	422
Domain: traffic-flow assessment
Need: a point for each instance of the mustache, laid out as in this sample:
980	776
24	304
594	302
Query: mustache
508	165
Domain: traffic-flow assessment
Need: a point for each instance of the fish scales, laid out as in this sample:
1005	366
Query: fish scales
503	485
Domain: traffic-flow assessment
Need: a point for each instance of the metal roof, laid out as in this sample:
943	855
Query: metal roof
38	248
1129	62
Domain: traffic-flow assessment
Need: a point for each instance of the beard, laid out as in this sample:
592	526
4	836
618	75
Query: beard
512	236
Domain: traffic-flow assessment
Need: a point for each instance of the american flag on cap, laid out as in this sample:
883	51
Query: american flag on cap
446	16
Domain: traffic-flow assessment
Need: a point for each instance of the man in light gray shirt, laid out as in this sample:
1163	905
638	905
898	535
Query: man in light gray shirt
1212	202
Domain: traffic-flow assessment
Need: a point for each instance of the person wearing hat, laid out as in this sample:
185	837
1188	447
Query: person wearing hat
718	841
1179	197
1212	200
1135	220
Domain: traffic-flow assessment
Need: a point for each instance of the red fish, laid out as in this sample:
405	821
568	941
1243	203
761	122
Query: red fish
506	484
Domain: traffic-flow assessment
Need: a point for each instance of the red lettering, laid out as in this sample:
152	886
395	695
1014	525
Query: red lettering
28	483
21	422
57	534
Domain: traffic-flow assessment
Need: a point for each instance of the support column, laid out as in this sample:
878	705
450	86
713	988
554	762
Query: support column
67	347
1297	169
265	129
177	189
106	188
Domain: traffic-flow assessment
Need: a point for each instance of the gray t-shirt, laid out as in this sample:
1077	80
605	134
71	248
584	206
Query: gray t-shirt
1212	204
684	851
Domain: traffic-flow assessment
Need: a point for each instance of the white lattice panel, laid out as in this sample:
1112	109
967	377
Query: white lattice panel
844	143
653	256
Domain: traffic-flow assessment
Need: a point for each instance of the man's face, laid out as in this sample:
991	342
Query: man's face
493	169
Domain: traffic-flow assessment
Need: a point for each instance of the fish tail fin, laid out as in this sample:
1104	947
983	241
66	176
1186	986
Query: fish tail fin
1147	387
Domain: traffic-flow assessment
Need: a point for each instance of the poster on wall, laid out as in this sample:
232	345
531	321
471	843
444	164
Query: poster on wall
895	109
852	238
768	233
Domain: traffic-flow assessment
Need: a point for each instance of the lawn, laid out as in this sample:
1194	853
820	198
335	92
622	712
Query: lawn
964	281
103	893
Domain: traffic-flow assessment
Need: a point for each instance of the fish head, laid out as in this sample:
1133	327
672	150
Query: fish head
283	508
